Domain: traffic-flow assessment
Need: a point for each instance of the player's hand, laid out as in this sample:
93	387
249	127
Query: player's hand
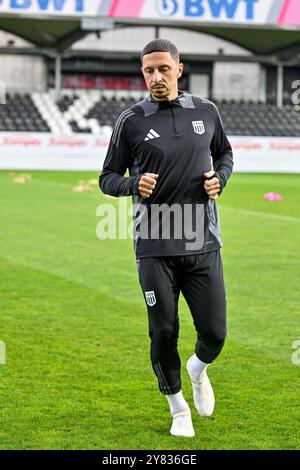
212	186
147	184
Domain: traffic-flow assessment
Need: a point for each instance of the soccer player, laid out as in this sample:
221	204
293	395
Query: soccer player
179	160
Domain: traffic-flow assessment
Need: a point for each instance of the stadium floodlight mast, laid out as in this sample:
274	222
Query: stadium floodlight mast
2	93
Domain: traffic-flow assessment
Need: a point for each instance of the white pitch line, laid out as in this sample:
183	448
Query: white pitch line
284	218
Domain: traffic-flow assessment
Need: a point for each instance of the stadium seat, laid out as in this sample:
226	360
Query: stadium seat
21	115
96	111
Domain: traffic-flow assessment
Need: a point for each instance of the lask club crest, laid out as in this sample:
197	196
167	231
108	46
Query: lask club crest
150	298
198	127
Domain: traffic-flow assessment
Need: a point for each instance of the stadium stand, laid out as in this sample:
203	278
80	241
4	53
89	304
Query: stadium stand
66	102
95	112
259	119
21	115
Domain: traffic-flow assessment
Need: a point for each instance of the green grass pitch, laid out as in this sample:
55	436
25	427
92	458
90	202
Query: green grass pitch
78	373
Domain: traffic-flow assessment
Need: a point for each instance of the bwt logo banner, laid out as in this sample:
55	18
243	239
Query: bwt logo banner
254	11
63	7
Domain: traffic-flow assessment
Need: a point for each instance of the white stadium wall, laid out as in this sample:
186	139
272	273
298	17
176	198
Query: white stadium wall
23	73
132	39
87	152
239	81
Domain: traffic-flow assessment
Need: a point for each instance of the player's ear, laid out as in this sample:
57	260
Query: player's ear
180	70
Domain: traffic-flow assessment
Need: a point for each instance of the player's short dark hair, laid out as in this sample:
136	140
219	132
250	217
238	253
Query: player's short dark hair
161	45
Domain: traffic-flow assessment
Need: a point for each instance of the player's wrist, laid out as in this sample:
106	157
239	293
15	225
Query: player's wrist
136	189
218	176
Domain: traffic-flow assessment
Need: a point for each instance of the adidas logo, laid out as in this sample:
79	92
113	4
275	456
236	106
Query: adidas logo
152	135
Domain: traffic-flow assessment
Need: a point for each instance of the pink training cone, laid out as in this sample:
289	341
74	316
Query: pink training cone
273	197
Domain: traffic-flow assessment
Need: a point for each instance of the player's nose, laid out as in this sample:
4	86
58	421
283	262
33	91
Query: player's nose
156	76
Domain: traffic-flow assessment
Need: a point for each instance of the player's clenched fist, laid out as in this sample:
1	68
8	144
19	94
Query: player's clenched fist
147	184
212	185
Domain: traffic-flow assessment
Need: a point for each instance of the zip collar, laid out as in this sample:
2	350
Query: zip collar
178	101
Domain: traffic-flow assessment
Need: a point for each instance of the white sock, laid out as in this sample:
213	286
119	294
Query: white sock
177	403
196	367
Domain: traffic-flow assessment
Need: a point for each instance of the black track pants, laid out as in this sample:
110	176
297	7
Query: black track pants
200	279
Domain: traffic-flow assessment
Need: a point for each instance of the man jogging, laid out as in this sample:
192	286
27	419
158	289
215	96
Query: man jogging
179	160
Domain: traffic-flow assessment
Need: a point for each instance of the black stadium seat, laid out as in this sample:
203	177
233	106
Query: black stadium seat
19	114
259	119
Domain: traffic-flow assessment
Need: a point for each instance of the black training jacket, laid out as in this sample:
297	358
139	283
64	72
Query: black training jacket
179	140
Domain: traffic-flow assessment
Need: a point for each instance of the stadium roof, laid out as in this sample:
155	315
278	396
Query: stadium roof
285	43
61	33
53	33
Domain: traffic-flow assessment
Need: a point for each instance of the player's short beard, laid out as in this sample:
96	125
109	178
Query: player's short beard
160	94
